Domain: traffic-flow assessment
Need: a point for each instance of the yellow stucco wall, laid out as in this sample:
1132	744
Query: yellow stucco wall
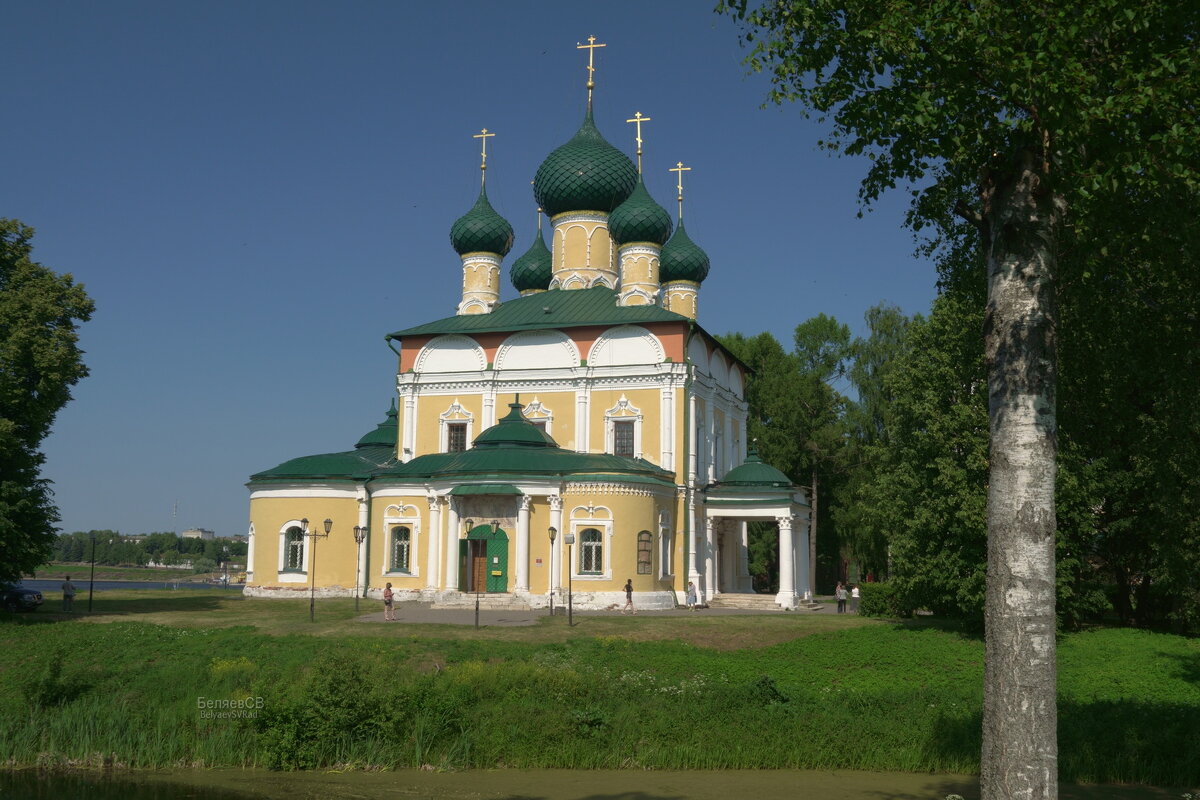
335	554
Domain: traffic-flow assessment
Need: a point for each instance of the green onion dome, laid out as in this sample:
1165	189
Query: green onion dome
534	269
682	259
481	230
639	219
585	174
755	472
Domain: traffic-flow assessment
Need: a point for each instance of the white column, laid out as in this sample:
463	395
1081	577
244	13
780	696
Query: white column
787	560
434	539
730	455
523	545
745	582
451	545
408	445
250	553
489	410
556	522
581	420
693	565
667	425
710	557
803	587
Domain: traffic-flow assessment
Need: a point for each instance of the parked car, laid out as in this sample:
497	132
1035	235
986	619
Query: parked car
15	598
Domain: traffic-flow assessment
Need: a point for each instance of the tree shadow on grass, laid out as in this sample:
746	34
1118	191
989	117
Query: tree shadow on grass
1101	742
116	607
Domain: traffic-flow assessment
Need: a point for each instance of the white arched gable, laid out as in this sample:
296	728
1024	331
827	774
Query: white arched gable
719	369
451	353
736	383
537	350
628	344
698	354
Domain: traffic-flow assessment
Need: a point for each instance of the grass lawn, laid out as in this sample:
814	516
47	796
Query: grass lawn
670	692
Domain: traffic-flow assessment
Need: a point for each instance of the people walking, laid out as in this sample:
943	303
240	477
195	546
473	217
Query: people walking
389	613
68	590
691	596
840	594
629	597
854	599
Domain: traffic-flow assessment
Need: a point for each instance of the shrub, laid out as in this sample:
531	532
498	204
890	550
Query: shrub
881	600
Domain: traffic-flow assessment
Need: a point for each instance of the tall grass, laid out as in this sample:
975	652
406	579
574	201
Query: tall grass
877	698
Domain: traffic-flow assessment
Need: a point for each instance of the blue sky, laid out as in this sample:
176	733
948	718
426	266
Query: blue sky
255	193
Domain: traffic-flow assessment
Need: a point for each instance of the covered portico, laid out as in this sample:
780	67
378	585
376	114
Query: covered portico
756	491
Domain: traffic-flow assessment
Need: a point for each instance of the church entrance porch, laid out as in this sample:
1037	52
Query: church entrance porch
483	560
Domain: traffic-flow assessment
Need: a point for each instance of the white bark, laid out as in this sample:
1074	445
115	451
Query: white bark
1020	747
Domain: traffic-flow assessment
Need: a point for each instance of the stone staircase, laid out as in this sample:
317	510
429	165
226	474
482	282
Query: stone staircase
488	601
755	602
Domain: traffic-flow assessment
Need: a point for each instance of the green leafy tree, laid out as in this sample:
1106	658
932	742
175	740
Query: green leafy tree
1014	115
40	361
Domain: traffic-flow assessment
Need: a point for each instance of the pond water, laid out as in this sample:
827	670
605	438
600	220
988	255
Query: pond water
519	785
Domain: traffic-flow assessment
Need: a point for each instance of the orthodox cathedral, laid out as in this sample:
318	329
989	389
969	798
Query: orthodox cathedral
585	434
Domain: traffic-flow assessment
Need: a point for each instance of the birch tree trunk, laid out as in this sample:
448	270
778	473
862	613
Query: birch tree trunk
812	541
1020	747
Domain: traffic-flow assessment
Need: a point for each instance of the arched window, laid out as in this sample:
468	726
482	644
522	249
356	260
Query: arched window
645	541
591	551
293	554
401	548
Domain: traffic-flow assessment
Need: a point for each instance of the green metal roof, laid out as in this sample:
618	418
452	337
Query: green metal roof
385	433
359	464
682	259
585	174
481	230
557	308
533	270
639	219
484	488
513	430
755	473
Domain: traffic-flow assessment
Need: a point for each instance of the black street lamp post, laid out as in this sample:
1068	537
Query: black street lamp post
360	535
553	533
312	565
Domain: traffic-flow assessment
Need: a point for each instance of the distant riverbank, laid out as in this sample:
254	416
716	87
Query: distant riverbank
56	571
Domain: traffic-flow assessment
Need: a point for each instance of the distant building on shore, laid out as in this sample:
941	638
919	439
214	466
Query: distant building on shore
197	533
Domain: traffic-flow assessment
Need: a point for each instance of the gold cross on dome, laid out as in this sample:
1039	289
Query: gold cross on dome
638	119
591	48
483	135
680	169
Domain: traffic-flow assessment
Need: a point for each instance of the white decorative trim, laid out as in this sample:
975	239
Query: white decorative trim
623	411
536	412
615	488
601	280
307	490
455	413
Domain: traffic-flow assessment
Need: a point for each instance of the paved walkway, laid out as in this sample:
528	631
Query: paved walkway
423	613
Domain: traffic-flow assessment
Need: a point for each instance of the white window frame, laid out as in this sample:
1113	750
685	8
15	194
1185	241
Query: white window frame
623	411
455	413
600	518
283	574
407	516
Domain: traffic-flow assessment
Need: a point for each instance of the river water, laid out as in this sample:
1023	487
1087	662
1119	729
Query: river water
53	589
519	785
